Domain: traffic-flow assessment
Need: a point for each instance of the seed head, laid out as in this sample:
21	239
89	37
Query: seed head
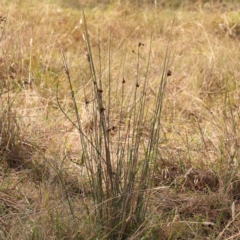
169	73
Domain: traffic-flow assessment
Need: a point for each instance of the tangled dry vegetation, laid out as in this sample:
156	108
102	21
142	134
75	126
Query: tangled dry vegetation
44	184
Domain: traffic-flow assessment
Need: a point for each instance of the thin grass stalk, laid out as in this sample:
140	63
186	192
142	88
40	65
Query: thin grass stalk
85	155
101	87
100	176
109	174
133	157
101	110
109	78
135	101
121	153
78	126
143	178
120	148
85	146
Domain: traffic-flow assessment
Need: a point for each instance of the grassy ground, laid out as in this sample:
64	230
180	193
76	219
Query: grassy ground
47	187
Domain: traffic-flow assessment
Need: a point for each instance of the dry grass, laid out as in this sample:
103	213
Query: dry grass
44	189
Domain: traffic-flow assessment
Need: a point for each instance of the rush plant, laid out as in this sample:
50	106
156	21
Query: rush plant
119	157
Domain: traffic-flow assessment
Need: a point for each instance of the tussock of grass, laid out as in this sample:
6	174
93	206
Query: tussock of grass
49	189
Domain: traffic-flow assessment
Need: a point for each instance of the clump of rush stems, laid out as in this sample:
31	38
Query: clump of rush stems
120	174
